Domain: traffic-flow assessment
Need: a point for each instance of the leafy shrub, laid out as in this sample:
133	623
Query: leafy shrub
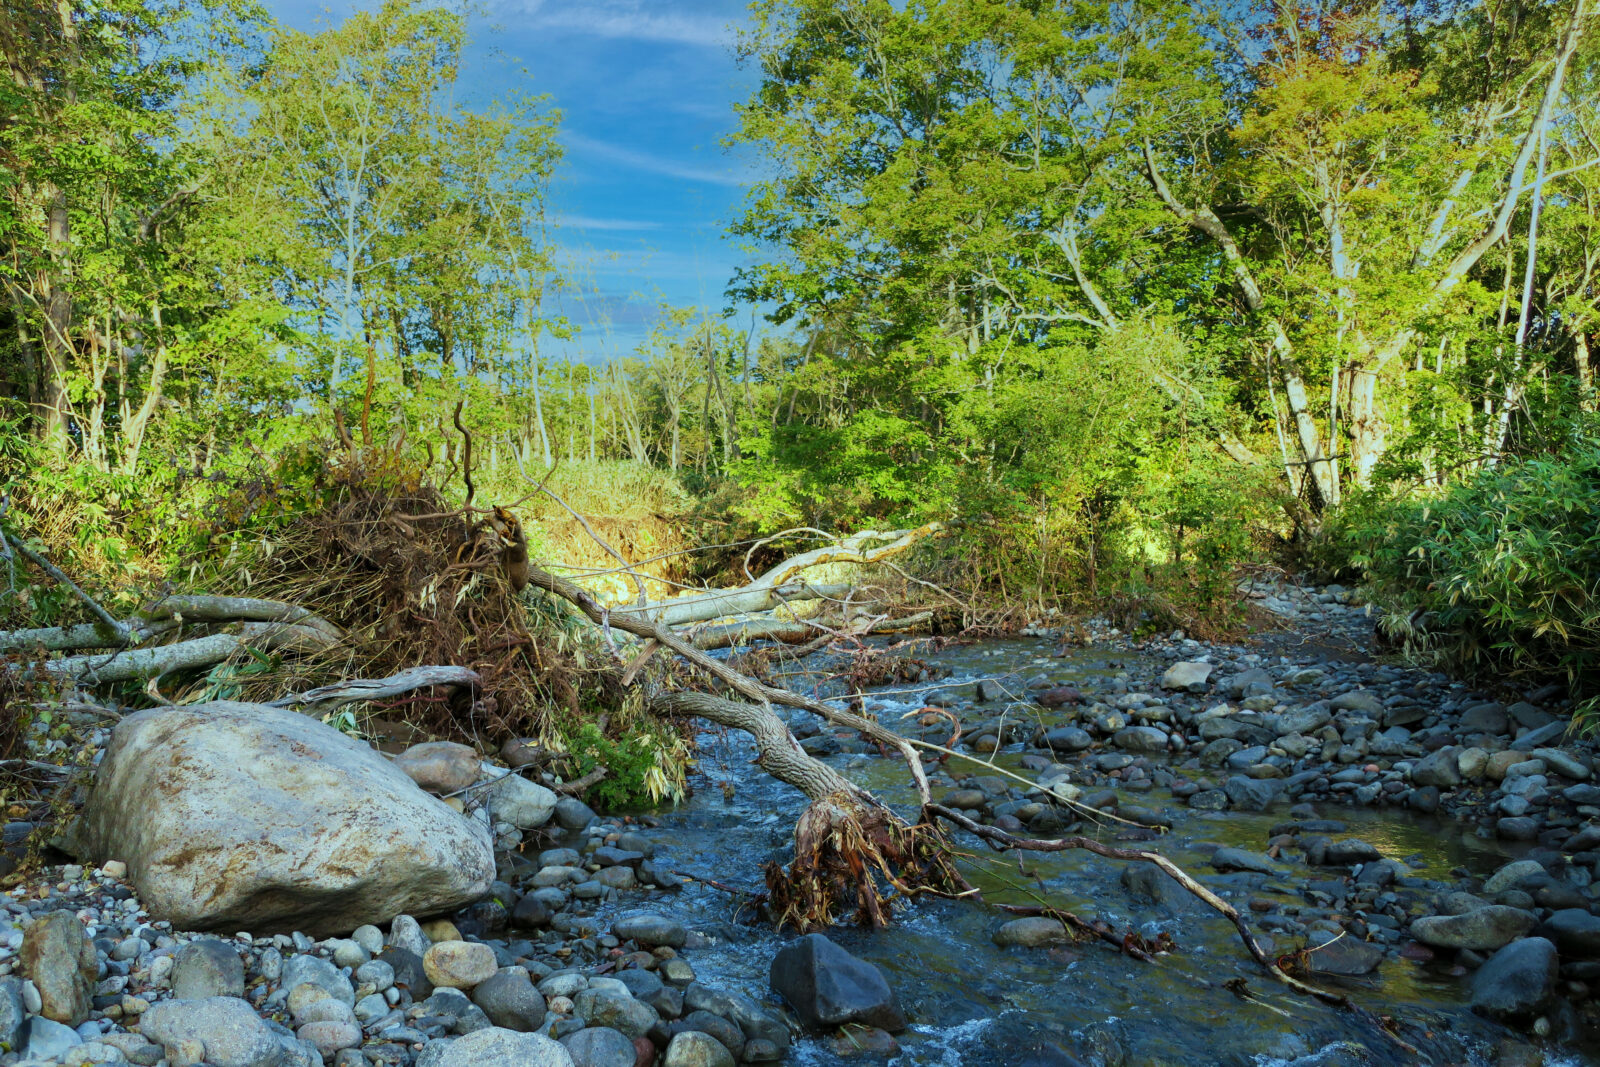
641	771
1499	577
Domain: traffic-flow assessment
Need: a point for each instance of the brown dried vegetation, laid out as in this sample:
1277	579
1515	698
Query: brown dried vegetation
412	578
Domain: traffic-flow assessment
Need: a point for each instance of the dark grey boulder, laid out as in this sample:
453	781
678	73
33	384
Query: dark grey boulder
573	814
1252	794
828	987
1481	930
600	1046
651	930
1067	739
1345	957
1238	859
509	999
207	968
1518	982
1575	932
1438	769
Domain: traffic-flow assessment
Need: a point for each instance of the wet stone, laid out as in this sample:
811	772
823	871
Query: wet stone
600	1046
1345	956
1518	981
1483	929
828	987
1031	932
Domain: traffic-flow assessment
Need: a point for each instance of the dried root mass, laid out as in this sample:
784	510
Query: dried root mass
847	848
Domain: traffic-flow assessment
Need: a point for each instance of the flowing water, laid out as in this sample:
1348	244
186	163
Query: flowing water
976	1005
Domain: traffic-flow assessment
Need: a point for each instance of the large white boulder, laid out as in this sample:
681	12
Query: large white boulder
236	816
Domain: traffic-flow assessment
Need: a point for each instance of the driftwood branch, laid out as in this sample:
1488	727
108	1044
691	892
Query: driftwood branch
739	683
204	608
778	752
578	786
781	583
720	603
123	665
116	627
1004	842
795	633
83	635
330	697
165	616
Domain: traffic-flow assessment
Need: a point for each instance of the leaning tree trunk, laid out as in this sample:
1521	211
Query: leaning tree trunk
846	841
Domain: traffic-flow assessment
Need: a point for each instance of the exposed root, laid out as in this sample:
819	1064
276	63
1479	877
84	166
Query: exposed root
844	845
411	579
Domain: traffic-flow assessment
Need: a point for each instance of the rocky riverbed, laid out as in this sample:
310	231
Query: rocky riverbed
1426	849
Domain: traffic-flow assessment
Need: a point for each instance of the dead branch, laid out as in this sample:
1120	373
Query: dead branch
794	633
780	583
578	786
777	751
466	459
749	600
328	698
122	665
117	628
740	683
83	635
35	765
1004	842
165	616
192	607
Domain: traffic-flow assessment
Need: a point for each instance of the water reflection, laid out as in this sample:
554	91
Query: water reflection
976	1005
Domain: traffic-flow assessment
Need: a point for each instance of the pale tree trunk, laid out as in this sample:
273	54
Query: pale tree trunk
538	400
1204	220
1367	432
133	430
1583	367
57	343
626	411
590	391
1454	273
1512	392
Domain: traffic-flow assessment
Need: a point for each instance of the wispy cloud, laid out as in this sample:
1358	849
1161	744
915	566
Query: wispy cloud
670	168
590	222
625	19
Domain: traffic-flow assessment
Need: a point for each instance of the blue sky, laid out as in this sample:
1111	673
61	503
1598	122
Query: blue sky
646	89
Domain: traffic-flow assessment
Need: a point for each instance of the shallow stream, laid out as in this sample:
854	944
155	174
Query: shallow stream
973	1004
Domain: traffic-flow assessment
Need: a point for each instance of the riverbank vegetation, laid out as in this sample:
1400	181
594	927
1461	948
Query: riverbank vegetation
1134	298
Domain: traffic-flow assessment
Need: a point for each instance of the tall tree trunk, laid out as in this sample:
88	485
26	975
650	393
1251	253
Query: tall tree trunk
1512	394
1583	367
538	399
28	351
58	324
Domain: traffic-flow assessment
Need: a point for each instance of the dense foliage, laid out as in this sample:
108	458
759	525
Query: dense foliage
1496	577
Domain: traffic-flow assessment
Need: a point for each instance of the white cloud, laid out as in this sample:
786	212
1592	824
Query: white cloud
590	222
632	19
671	168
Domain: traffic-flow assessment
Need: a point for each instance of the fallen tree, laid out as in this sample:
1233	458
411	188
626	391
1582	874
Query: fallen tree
846	840
228	626
781	584
800	631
